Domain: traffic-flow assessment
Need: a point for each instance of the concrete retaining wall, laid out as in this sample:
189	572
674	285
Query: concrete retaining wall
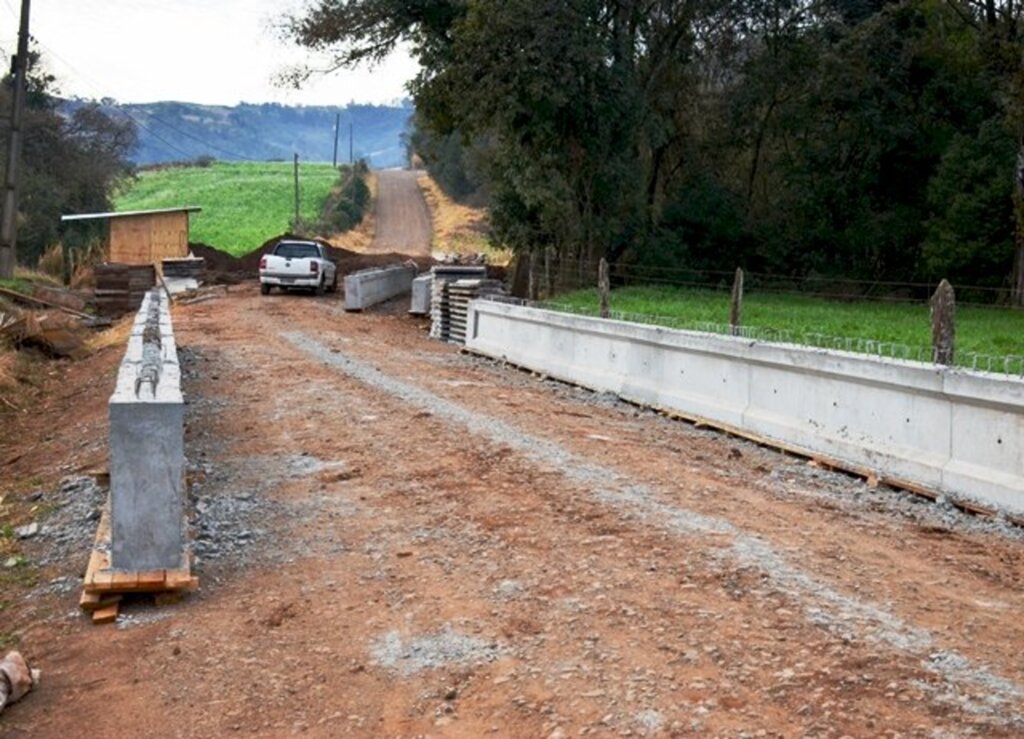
371	286
147	454
948	430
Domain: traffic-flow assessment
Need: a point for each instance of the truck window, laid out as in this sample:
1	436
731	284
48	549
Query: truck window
297	251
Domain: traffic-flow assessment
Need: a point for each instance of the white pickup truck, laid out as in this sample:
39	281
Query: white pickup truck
298	264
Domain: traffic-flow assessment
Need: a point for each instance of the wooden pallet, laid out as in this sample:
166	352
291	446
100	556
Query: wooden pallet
103	587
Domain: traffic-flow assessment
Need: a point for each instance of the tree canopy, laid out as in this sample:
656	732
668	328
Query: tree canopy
864	138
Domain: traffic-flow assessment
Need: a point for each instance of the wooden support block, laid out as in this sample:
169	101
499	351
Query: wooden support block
105	615
100	581
151	579
179	580
124	580
89	601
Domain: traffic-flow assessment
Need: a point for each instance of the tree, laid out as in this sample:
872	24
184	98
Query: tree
69	163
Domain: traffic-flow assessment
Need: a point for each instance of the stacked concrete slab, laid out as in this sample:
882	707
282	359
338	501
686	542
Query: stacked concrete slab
460	293
440	304
371	286
147	453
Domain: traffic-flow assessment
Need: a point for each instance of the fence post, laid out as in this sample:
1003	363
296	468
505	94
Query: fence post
604	287
549	288
736	303
532	286
943	305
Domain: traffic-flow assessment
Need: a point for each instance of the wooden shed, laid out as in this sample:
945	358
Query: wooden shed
144	236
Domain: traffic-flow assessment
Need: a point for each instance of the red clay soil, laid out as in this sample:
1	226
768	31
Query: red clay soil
396	539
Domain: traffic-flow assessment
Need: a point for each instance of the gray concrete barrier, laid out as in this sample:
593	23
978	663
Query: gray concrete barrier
147	454
421	289
949	430
371	286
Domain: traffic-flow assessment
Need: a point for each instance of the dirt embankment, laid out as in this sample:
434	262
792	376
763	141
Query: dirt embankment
248	265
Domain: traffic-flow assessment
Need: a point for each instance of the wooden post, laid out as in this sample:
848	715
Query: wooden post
295	226
9	220
532	289
943	324
736	304
337	125
604	287
549	289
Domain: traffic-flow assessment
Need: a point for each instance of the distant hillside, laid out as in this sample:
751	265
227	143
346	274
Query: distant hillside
171	131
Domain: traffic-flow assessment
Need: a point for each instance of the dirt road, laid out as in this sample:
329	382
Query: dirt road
399	540
402	219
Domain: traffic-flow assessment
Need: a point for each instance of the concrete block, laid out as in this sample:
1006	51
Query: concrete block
147	459
950	430
371	286
421	287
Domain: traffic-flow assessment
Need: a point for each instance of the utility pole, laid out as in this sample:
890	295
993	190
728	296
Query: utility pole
9	224
351	159
295	223
337	125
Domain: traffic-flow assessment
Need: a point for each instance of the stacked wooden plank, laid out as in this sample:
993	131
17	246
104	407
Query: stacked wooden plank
103	587
190	267
120	288
459	293
440	308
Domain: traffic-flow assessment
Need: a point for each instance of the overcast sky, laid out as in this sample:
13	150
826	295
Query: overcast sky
202	51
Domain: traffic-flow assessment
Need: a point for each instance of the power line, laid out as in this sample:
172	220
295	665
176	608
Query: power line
97	88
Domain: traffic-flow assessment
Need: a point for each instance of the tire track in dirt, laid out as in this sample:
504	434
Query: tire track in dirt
822	604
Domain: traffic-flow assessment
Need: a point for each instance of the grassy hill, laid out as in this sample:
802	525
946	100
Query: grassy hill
243	204
176	131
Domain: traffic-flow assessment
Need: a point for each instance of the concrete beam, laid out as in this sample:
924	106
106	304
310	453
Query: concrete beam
147	455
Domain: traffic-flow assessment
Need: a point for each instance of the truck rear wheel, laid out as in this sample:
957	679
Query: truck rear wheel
320	288
264	288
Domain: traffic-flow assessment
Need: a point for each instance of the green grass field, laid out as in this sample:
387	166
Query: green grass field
244	203
979	329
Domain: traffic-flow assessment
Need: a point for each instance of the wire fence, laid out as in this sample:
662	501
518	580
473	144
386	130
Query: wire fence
554	275
551	281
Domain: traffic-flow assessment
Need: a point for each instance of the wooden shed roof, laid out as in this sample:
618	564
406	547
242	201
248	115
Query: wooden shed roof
126	213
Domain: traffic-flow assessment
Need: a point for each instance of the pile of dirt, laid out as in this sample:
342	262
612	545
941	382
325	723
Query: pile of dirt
248	265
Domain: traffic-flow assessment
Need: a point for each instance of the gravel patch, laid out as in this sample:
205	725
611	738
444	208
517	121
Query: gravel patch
443	648
973	688
68	528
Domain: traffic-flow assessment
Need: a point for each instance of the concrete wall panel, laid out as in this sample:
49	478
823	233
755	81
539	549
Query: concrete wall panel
372	286
950	430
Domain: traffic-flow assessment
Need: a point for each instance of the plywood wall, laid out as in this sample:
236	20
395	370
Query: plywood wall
148	239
